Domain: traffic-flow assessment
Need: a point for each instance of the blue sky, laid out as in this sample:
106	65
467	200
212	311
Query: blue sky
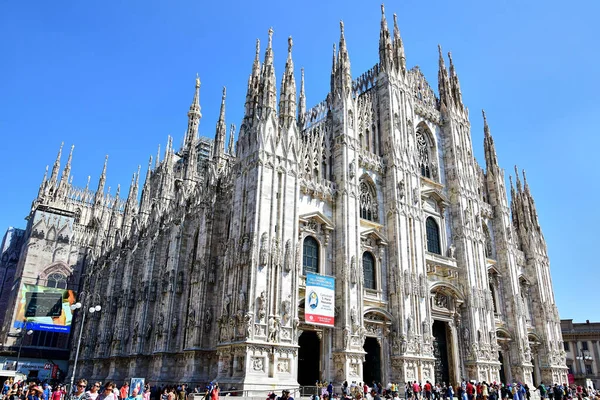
117	77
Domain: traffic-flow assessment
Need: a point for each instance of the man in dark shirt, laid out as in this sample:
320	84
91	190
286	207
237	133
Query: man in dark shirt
375	395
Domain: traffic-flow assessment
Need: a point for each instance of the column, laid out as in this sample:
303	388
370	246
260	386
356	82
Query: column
456	378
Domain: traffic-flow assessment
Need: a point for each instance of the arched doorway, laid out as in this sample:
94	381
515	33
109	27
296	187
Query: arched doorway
502	373
309	358
440	351
372	364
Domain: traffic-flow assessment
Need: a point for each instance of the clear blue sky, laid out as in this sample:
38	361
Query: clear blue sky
117	77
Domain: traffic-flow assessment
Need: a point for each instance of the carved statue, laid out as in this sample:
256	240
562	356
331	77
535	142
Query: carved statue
401	189
353	271
352	169
451	251
346	337
226	304
242	300
289	256
409	327
262	303
273	330
263	258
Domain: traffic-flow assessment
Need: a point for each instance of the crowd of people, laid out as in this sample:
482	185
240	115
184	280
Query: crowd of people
466	390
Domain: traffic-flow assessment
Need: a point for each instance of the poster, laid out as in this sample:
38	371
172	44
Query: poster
136	384
41	308
319	303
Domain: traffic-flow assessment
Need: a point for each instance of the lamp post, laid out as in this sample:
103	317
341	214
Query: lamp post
92	310
23	331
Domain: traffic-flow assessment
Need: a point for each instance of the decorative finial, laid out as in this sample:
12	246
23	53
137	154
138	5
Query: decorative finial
224	93
197	81
440	51
341	27
382	8
270	37
484	117
257	48
450	57
290	44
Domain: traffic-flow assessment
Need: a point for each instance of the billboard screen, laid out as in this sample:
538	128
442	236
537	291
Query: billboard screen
320	300
42	308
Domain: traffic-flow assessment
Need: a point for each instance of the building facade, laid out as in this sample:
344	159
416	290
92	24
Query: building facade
437	276
582	344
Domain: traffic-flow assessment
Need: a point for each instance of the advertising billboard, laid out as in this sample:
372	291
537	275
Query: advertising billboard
41	308
319	303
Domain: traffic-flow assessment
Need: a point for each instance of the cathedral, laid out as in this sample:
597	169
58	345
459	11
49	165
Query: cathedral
437	275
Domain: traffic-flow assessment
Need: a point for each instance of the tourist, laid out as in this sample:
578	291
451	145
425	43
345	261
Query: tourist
107	393
92	394
214	393
134	395
124	392
79	390
374	394
427	390
58	393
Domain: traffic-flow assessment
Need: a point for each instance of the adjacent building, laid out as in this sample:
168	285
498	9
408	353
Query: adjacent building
582	344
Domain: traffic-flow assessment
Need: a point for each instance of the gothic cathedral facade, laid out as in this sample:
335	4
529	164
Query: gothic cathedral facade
437	276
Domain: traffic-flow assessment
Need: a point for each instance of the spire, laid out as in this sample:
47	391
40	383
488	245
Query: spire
43	184
287	94
385	44
194	116
101	183
56	167
443	82
302	105
64	180
230	146
157	162
145	200
454	84
399	57
220	135
519	187
267	89
333	68
253	84
491	160
344	60
526	186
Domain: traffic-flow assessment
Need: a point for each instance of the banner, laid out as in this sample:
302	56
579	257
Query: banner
41	308
137	384
320	300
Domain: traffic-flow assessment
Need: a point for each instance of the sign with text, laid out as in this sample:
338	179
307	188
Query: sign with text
41	308
319	303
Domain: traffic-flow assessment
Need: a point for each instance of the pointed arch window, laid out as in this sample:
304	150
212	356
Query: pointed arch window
433	236
368	262
310	253
368	202
423	154
57	280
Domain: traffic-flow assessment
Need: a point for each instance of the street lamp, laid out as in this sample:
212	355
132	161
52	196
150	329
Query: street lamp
22	336
92	310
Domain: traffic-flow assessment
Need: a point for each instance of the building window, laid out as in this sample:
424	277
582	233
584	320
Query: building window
310	261
433	236
369	270
57	280
584	346
368	202
493	293
588	370
566	346
570	367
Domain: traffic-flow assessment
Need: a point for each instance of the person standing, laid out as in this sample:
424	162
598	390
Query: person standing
214	393
107	393
79	390
93	393
124	392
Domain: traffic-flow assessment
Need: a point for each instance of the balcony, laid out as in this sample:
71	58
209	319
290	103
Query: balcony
441	266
